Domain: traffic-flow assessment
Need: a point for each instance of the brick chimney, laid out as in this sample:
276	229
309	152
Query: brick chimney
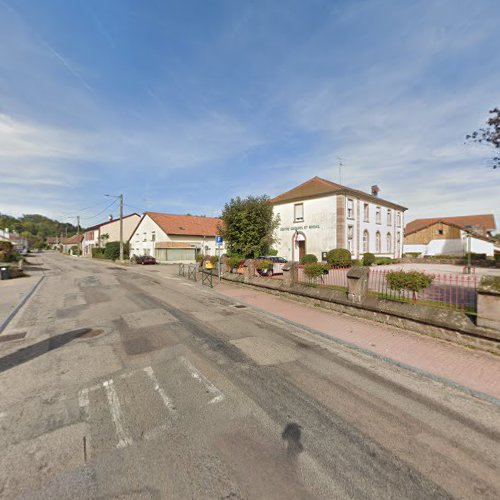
375	190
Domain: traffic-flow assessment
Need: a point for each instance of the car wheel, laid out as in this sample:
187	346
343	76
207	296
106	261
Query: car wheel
270	273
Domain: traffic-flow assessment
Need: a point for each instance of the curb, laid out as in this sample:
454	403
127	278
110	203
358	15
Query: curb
21	303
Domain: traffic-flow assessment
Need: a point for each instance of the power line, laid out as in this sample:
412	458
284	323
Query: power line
135	208
102	211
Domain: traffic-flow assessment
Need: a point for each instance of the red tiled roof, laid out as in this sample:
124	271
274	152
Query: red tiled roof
72	240
318	186
482	222
186	224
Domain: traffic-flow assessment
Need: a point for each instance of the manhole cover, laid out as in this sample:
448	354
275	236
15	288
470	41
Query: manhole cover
90	334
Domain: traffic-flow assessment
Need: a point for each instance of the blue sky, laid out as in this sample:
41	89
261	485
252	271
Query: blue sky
183	105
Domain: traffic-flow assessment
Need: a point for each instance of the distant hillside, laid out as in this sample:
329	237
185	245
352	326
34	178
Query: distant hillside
36	227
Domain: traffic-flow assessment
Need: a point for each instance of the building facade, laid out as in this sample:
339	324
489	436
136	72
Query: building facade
447	237
172	238
97	236
320	215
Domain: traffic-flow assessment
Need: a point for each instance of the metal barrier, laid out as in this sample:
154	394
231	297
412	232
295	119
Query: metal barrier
207	278
182	270
191	272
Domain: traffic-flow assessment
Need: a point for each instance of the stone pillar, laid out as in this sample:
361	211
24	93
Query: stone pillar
290	274
224	264
357	284
249	270
488	302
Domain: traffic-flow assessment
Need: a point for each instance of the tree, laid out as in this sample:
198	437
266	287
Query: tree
248	226
489	135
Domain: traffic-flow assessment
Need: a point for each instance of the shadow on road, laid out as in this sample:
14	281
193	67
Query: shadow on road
292	434
33	351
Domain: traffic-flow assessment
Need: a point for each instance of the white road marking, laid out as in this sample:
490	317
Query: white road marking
218	395
166	400
116	414
83	402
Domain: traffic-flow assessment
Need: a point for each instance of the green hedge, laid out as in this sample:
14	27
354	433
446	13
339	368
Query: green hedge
308	258
413	281
340	257
315	269
368	259
383	261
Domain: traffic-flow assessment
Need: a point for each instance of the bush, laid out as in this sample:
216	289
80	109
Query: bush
263	264
75	250
214	259
315	269
272	252
112	250
199	257
477	256
383	261
368	259
6	251
414	281
340	257
308	258
412	254
234	262
98	253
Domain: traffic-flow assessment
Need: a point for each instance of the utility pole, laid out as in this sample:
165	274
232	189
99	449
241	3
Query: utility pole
77	224
121	227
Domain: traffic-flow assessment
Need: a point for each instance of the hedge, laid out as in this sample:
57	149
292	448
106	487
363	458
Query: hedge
340	257
368	259
308	258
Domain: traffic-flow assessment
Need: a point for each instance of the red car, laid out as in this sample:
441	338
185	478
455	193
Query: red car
145	260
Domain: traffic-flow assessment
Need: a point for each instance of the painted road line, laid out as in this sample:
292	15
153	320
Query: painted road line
218	395
116	414
166	400
83	403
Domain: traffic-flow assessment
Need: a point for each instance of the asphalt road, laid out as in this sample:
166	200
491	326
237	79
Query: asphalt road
128	386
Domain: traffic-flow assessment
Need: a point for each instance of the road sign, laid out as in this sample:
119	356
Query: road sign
218	240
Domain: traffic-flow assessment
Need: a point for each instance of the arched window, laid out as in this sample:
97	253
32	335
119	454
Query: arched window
378	242
389	243
366	241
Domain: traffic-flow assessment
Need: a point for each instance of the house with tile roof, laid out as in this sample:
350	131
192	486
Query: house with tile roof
97	236
451	235
68	244
172	238
320	215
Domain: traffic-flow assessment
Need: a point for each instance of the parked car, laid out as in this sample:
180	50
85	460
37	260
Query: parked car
276	267
145	260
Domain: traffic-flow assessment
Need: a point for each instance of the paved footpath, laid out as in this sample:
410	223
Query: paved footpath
474	369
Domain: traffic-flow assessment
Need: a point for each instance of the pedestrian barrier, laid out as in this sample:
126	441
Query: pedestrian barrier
207	278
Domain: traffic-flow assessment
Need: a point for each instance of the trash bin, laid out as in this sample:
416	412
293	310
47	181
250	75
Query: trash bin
4	273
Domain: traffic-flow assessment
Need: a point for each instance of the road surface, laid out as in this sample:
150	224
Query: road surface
127	386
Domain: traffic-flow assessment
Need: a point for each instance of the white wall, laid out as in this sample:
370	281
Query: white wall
319	226
141	242
452	247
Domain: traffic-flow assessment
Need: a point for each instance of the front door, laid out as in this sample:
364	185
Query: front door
302	249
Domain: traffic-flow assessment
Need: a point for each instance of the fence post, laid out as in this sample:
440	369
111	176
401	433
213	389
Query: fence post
488	302
290	271
357	283
249	270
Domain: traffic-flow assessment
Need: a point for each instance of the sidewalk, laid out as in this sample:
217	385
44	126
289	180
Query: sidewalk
473	369
13	291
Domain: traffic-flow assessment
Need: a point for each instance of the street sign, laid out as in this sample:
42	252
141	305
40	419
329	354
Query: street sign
218	240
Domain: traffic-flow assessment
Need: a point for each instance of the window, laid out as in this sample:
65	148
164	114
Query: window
440	231
350	208
153	236
366	212
298	212
366	241
389	242
378	242
378	215
389	216
350	236
399	219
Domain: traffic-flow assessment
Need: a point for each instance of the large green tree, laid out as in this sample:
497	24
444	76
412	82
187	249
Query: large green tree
36	227
489	135
249	225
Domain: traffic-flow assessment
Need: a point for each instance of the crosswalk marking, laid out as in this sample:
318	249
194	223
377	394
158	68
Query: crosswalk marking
116	414
218	395
166	400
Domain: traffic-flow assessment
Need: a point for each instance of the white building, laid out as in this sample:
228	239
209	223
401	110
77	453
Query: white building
100	234
174	238
450	235
320	215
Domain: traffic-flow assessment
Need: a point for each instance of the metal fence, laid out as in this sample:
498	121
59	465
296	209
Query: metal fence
336	277
446	290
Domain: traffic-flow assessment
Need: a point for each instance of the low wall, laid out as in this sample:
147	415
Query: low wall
443	323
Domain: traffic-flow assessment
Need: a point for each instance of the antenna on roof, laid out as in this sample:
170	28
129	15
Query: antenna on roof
340	168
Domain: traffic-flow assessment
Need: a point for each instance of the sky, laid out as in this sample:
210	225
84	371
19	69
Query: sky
182	105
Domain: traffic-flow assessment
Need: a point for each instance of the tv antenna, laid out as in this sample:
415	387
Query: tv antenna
341	165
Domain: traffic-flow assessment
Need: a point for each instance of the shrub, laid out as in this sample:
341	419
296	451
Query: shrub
272	252
234	262
214	259
199	257
383	261
477	256
412	254
315	269
340	257
308	258
263	264
75	250
98	253
112	250
368	259
6	251
414	281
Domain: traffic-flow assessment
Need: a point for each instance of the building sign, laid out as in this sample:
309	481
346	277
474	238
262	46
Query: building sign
299	228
